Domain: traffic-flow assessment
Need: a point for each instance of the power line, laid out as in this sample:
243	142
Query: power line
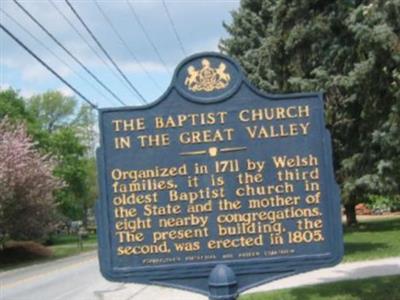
104	51
47	66
135	15
174	28
88	44
51	51
68	52
108	20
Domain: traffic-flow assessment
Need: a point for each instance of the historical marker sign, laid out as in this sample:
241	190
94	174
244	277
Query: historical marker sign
216	173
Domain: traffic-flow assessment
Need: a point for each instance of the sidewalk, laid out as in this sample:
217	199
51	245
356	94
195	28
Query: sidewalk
345	271
78	278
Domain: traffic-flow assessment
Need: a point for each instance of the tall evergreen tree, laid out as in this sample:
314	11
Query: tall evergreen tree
349	49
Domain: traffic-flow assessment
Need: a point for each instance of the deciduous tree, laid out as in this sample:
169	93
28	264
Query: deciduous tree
52	109
14	107
67	131
27	184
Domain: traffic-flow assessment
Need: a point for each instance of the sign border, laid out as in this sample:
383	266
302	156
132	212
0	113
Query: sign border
181	275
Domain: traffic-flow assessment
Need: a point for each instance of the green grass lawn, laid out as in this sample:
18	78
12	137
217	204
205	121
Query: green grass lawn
60	251
372	239
72	239
380	288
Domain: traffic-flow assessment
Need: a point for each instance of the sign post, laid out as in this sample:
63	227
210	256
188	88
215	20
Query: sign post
216	187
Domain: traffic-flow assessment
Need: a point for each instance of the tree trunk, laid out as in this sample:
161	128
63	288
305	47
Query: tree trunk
351	217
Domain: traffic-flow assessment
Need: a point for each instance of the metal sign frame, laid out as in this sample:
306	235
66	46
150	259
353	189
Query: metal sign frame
191	91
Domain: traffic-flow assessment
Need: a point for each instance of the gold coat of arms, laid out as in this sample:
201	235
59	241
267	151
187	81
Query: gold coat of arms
207	78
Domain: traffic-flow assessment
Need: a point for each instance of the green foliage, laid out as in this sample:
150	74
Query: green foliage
380	203
91	183
388	137
52	109
350	50
14	107
71	140
77	170
71	168
84	123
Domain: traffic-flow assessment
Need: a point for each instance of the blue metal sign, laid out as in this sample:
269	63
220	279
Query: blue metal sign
216	187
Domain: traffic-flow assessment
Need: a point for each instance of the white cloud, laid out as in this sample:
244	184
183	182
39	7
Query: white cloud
66	91
4	86
34	72
149	66
37	72
206	45
27	93
31	70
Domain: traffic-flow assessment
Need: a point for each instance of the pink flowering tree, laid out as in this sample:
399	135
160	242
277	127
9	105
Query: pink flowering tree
26	186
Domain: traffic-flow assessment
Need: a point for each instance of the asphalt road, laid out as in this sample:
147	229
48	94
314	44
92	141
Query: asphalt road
78	278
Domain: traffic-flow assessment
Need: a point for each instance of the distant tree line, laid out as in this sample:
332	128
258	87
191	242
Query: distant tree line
47	164
349	49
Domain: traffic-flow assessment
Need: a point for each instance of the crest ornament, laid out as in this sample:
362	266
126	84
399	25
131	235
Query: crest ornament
207	79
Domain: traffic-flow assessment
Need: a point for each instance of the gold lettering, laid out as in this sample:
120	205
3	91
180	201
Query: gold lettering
271	113
155	140
129	125
122	142
206	136
199	119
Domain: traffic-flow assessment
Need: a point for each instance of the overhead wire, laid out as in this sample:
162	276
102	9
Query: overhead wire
52	52
47	66
68	52
87	43
125	44
136	16
171	22
104	51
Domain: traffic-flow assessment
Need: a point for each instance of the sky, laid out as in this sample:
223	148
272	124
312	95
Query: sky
198	24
